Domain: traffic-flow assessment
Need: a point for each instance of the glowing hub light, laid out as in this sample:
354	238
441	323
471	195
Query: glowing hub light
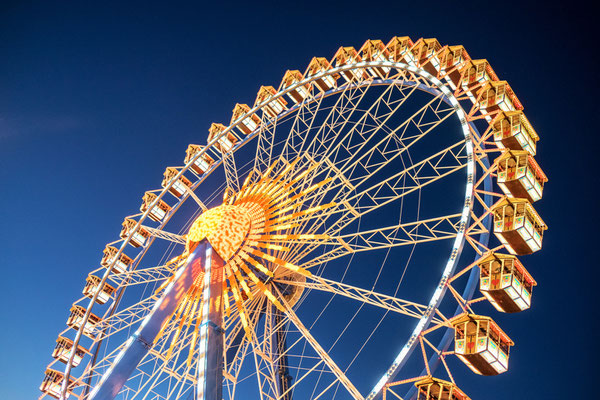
241	231
226	227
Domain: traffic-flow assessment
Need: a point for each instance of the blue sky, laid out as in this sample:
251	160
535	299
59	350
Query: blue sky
96	99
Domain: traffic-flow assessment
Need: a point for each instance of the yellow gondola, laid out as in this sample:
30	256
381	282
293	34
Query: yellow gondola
51	385
64	348
519	175
225	142
481	344
319	65
121	265
92	284
248	124
299	94
425	51
518	226
159	211
398	49
76	319
497	96
274	107
138	238
347	56
202	163
375	50
475	72
178	188
505	282
513	131
450	59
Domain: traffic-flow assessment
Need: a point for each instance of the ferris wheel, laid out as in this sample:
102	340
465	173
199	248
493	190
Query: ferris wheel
326	243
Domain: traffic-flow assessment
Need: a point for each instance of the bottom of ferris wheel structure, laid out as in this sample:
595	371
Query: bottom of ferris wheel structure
210	362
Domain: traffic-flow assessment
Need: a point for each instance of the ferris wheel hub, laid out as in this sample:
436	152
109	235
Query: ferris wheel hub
226	227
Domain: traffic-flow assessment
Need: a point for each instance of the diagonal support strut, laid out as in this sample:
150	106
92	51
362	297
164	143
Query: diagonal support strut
202	259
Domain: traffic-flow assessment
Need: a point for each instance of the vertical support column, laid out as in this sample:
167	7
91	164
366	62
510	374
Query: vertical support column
283	377
210	358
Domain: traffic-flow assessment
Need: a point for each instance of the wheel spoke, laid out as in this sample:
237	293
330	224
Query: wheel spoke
393	188
367	131
335	121
125	318
143	276
370	297
159	233
429	230
303	123
418	175
231	172
191	193
393	145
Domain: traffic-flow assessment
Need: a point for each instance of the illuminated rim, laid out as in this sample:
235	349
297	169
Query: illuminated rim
447	96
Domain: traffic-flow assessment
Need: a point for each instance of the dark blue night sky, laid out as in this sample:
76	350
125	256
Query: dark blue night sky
96	99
